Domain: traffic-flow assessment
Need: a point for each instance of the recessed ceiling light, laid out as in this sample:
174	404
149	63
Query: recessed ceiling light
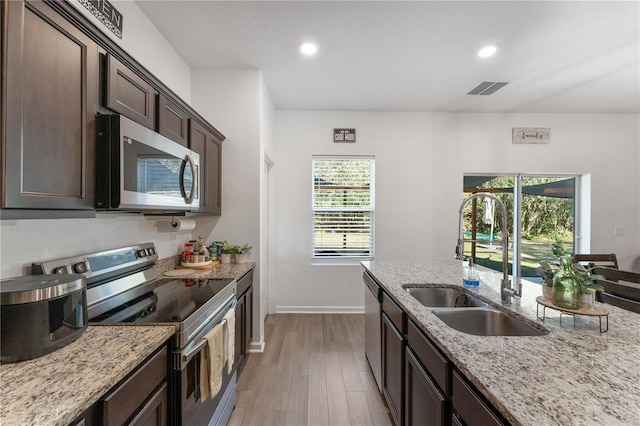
308	48
487	51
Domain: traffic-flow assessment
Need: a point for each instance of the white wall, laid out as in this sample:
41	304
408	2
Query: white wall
420	161
142	40
232	100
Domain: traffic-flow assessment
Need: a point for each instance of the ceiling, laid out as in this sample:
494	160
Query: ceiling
558	56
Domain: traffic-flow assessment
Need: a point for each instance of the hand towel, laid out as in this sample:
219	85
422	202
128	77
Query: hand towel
212	363
230	338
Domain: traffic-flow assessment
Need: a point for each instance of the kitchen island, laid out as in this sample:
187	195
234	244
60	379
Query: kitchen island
574	375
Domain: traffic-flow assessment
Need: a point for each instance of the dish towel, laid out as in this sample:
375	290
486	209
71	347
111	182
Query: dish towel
212	363
230	338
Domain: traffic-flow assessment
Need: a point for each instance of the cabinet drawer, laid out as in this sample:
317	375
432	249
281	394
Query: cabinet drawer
469	405
244	283
393	311
435	363
125	400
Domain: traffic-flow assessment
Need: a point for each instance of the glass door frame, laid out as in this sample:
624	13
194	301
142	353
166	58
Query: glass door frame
517	213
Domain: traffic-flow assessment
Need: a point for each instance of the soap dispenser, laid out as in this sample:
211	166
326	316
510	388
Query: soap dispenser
471	278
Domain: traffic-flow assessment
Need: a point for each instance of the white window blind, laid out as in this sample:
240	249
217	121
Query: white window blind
343	207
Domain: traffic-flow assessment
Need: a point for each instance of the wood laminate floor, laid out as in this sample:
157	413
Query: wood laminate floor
313	372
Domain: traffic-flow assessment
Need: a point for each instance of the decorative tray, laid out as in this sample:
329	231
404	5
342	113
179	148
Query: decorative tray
200	265
598	310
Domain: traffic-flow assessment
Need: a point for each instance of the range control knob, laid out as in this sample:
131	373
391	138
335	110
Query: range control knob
80	267
151	251
141	253
60	270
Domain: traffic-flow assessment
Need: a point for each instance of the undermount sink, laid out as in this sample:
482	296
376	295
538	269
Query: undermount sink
486	322
444	297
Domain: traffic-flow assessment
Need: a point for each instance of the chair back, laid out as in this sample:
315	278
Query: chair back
591	260
621	288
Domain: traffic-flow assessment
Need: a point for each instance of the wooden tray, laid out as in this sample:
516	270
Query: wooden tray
201	268
598	308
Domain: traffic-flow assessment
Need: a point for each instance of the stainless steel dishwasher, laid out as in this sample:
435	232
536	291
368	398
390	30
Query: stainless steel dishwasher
373	327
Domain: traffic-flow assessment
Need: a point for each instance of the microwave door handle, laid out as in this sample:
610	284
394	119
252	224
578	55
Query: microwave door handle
194	180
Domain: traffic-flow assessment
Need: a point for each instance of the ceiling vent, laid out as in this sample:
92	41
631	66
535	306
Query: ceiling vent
487	87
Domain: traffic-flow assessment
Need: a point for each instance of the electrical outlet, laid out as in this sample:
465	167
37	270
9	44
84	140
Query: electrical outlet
618	231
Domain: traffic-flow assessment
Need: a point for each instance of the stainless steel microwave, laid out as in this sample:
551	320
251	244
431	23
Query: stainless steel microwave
138	169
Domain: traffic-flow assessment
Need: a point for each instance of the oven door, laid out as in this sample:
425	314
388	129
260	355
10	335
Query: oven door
189	409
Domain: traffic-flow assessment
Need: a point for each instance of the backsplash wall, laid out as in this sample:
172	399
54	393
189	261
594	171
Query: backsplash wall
27	241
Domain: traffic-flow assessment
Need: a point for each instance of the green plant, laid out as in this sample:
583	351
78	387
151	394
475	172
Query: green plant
579	275
234	249
547	270
558	248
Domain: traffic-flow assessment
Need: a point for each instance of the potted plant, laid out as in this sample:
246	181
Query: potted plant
572	281
226	250
242	253
547	270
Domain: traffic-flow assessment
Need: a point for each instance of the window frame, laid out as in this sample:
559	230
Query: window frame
343	259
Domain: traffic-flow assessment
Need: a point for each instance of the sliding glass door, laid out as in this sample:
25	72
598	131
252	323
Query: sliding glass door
542	218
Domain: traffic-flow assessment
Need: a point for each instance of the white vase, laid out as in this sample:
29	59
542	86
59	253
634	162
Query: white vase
242	258
225	258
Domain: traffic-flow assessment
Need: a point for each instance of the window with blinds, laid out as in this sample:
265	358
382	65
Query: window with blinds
343	207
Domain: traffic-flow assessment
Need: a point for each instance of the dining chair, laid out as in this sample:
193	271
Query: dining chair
602	259
621	288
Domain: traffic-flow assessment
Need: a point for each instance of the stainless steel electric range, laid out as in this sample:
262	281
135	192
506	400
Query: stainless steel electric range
123	287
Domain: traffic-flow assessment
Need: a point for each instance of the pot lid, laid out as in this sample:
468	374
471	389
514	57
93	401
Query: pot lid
36	288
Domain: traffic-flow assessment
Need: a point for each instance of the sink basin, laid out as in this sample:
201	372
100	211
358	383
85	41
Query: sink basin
486	322
444	297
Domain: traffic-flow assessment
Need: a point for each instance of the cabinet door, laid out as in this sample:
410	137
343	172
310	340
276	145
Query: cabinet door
239	329
130	95
51	80
154	412
392	369
469	405
248	319
209	148
173	121
424	403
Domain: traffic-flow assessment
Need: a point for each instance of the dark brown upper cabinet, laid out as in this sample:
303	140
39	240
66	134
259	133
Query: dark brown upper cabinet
129	95
206	143
173	121
50	73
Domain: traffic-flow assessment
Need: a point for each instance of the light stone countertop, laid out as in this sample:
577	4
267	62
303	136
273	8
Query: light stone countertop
54	389
573	376
220	271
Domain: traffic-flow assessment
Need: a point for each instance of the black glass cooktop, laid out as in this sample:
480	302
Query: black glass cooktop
168	300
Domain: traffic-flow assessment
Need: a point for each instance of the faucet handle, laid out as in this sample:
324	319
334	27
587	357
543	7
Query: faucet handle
511	292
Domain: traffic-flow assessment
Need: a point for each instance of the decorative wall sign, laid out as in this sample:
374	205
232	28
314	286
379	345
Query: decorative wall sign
106	13
535	135
344	135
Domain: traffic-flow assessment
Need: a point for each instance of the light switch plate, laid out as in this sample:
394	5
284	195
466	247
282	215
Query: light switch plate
618	231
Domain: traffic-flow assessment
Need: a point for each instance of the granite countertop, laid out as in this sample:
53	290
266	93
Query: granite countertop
575	375
55	388
220	271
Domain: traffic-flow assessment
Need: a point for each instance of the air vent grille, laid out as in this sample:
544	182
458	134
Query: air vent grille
487	87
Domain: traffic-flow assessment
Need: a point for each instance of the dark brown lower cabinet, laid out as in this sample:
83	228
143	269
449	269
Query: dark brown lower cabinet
392	369
154	413
469	406
244	318
425	404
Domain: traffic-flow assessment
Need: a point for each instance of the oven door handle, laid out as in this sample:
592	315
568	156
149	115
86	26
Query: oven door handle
185	357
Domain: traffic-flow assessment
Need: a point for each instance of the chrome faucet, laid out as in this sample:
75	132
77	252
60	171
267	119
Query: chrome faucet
506	291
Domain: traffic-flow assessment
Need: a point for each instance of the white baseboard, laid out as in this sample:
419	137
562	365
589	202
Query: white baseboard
319	309
256	347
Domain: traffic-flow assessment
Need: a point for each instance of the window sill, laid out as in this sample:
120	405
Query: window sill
340	262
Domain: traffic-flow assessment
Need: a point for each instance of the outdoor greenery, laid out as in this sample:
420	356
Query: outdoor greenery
547	225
